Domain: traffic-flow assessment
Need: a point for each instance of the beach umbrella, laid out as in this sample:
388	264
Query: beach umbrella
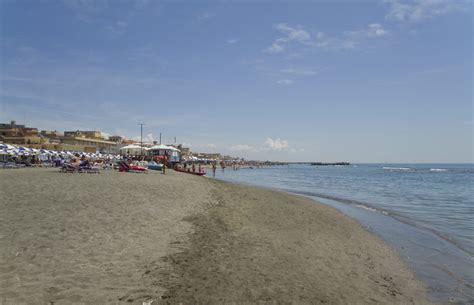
7	146
21	148
132	146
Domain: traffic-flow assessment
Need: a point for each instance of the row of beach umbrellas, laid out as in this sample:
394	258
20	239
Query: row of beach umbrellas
7	149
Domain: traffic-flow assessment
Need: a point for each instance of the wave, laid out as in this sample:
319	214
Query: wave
352	202
365	207
397	168
438	169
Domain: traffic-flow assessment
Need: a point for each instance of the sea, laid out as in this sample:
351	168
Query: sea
424	211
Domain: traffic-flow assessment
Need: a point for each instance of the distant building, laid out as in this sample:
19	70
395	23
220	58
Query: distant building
20	134
209	156
185	151
54	137
90	140
116	139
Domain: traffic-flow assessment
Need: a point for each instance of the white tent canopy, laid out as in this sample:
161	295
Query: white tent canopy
163	147
132	149
132	146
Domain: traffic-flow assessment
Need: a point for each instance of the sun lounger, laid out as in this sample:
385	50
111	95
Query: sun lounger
10	165
67	168
125	167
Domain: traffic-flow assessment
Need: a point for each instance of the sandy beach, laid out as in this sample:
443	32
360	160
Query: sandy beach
116	238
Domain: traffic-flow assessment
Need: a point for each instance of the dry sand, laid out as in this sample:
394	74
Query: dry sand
123	238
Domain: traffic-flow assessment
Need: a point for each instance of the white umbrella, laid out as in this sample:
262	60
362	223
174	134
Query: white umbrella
7	146
163	147
132	146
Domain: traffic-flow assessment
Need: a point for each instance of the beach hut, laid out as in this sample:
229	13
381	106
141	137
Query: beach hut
161	150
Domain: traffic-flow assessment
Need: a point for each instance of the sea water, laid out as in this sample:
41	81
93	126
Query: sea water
425	211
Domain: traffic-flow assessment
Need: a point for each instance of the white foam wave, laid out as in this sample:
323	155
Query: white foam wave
370	209
438	169
397	168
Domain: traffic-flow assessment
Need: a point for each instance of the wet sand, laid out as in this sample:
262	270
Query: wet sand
123	238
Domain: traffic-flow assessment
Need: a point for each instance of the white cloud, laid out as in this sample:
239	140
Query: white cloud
277	144
147	138
302	72
297	36
373	30
417	10
291	35
274	48
285	82
269	144
243	147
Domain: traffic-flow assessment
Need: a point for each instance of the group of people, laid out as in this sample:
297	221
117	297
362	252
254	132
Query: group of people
192	167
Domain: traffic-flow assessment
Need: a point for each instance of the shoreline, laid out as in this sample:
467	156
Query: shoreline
441	263
186	239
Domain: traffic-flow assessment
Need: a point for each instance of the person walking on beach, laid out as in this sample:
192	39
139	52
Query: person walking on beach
165	160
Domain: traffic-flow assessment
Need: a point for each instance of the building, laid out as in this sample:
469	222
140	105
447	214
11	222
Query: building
54	137
20	134
185	151
208	156
89	140
116	139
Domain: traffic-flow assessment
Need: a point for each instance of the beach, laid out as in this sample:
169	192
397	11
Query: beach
113	238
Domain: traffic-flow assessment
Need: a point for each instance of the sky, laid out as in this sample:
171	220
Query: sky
357	81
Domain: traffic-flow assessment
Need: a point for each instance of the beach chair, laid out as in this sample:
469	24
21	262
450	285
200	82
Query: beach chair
9	165
125	167
88	168
67	168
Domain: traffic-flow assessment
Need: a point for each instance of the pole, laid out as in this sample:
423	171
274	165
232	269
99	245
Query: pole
175	140
141	138
160	138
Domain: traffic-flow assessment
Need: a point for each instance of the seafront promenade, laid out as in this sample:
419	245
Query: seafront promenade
131	238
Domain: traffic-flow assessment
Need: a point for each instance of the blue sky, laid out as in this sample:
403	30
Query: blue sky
359	81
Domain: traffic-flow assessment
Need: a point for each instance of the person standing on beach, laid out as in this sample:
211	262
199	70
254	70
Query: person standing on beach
165	160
